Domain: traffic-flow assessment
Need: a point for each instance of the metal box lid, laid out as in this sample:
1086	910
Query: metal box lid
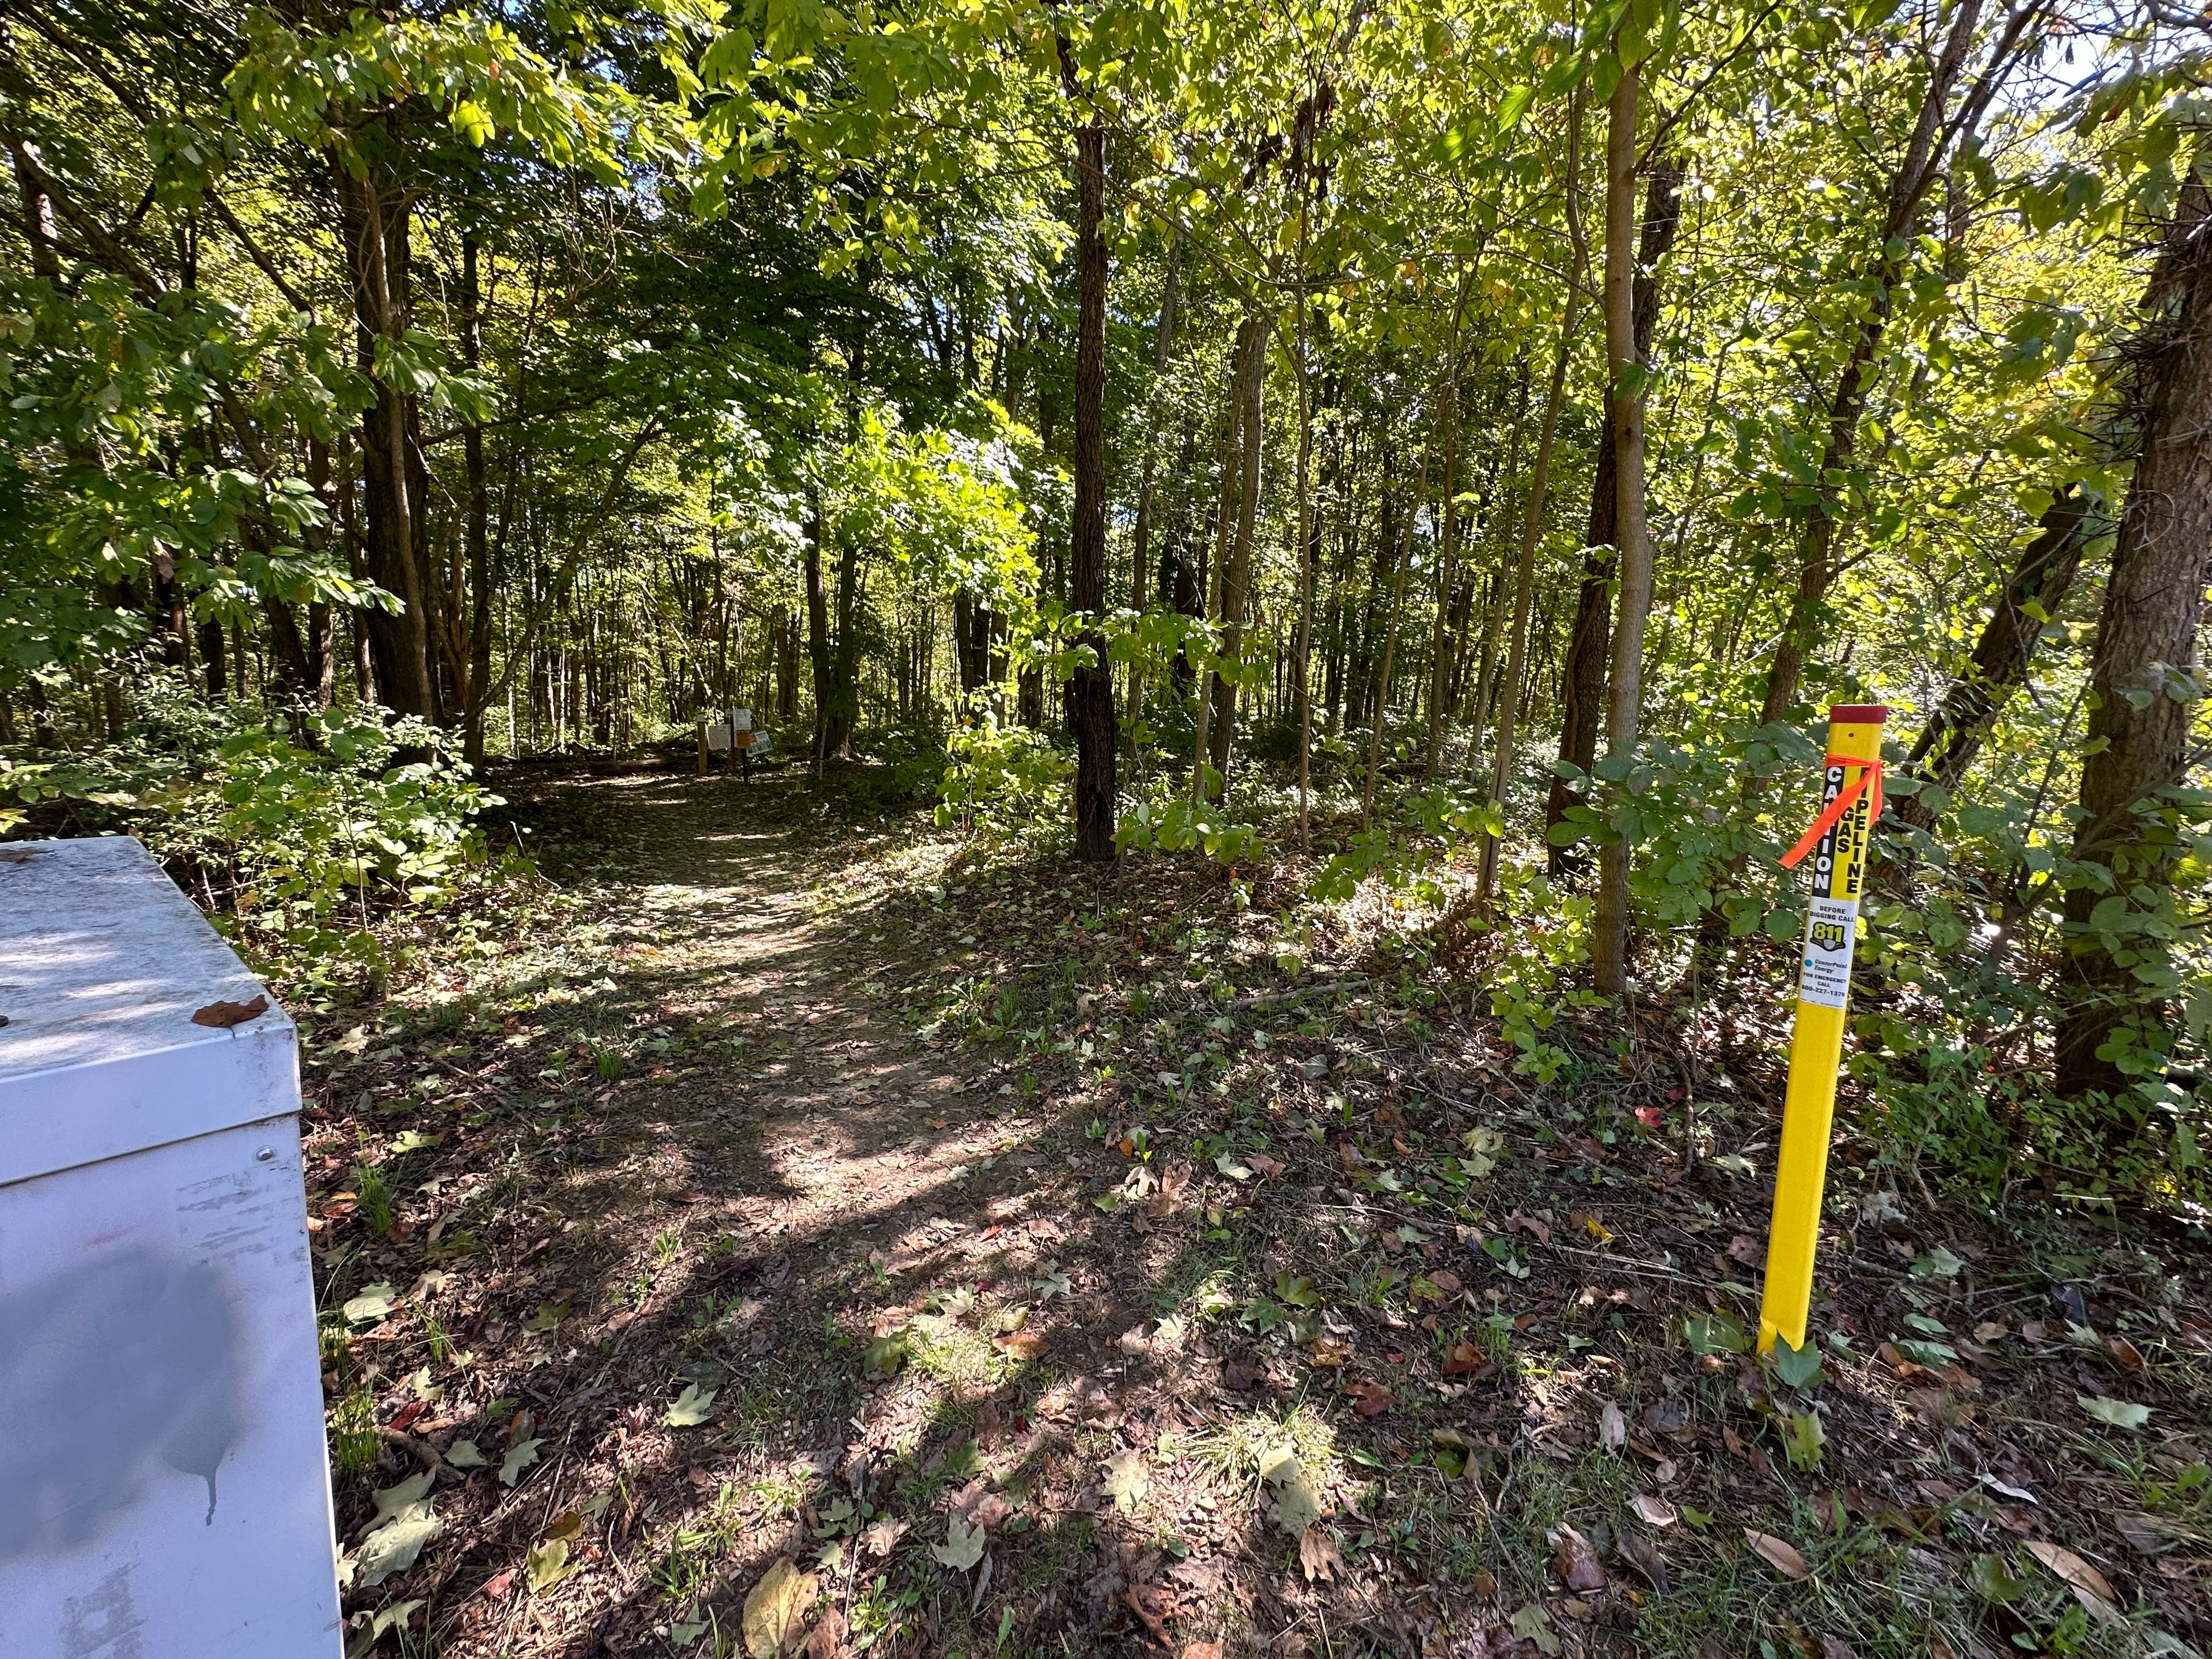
103	963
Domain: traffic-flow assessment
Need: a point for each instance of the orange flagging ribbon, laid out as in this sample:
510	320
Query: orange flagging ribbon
1870	778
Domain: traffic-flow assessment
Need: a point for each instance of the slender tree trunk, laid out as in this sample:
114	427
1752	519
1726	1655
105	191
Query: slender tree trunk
1624	695
2031	596
2143	694
1532	522
1236	578
1141	536
375	215
1090	688
1302	686
1589	645
475	690
817	633
1414	504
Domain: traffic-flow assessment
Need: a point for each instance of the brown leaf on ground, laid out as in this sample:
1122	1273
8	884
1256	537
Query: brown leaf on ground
2146	1534
1370	1398
1653	1511
1576	1562
2089	1586
1834	1647
1612	1427
1536	1228
828	1641
882	1536
1024	1344
1745	1249
1202	1650
1317	1555
1643	1555
776	1612
1779	1553
224	1015
1465	1359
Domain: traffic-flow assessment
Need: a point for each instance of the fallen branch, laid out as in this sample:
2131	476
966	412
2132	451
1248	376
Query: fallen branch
1269	999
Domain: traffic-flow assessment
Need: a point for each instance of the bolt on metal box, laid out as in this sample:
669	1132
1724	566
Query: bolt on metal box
164	1488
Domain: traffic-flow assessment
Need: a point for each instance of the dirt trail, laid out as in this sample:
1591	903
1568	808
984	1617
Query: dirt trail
1183	1310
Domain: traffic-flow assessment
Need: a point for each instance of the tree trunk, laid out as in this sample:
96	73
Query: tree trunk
1582	700
475	691
1624	695
2141	705
375	214
1236	575
1539	476
1391	639
1141	535
2030	598
1091	688
818	632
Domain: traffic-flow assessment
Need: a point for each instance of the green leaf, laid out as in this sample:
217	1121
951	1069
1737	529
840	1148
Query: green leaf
1802	1437
547	1565
1513	106
2120	1414
692	1407
1126	1479
963	1546
1798	1368
372	1305
519	1456
1716	1334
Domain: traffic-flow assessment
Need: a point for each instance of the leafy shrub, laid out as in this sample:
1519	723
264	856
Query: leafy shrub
1004	780
298	838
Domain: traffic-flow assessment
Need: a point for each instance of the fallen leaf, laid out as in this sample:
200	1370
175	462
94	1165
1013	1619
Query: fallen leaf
464	1454
880	1536
1745	1249
1643	1555
1576	1562
519	1456
828	1641
495	1588
1370	1398
547	1565
1024	1344
693	1407
963	1546
224	1015
1532	1624
2146	1534
1126	1479
1297	1505
1612	1427
2089	1586
1778	1554
775	1612
1317	1555
1200	1650
2120	1414
403	1524
372	1305
1653	1511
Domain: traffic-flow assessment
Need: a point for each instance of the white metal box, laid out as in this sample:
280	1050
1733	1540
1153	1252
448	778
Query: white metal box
164	1492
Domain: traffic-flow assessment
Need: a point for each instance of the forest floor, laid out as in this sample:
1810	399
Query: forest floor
793	1226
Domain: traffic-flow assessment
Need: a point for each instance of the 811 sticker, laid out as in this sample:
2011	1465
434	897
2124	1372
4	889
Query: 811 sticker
1831	931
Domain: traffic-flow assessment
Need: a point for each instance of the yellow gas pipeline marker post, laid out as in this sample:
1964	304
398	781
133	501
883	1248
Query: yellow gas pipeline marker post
1839	841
